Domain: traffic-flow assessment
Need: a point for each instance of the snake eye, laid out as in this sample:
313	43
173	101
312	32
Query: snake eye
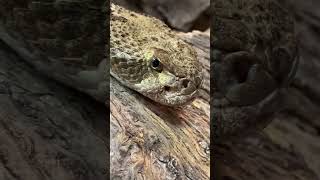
156	64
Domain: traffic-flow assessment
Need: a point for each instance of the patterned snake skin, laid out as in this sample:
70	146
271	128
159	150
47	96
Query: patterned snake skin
254	58
62	39
66	41
147	57
253	53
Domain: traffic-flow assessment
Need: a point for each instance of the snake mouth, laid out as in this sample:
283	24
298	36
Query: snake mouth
183	86
182	91
173	99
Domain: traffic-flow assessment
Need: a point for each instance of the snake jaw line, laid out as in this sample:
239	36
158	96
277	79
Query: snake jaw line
143	39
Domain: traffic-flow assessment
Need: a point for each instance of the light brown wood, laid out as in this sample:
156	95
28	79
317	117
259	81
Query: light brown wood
150	141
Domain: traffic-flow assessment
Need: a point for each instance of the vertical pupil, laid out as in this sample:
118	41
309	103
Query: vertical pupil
155	62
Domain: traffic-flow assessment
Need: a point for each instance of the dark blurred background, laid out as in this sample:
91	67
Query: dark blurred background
35	144
298	130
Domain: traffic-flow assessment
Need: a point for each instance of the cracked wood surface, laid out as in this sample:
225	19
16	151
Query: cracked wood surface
150	141
39	140
47	131
51	132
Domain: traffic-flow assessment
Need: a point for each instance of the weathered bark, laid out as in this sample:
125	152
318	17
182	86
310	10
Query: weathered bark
257	157
290	148
47	131
298	129
150	141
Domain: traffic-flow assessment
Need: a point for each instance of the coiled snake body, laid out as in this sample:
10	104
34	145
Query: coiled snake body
149	58
253	53
66	41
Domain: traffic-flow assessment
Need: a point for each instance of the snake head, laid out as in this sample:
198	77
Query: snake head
174	74
148	57
248	90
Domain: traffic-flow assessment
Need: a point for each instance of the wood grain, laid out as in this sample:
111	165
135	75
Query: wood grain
150	141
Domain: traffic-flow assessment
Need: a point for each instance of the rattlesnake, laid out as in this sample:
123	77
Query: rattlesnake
148	57
254	55
66	40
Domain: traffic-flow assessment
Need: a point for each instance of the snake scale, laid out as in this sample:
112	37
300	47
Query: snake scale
66	41
253	53
148	57
255	57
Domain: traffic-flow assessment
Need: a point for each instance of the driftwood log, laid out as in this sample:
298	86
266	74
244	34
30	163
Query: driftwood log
298	129
289	148
52	132
47	131
150	141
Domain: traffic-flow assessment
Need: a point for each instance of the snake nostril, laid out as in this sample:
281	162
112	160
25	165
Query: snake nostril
185	83
166	88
